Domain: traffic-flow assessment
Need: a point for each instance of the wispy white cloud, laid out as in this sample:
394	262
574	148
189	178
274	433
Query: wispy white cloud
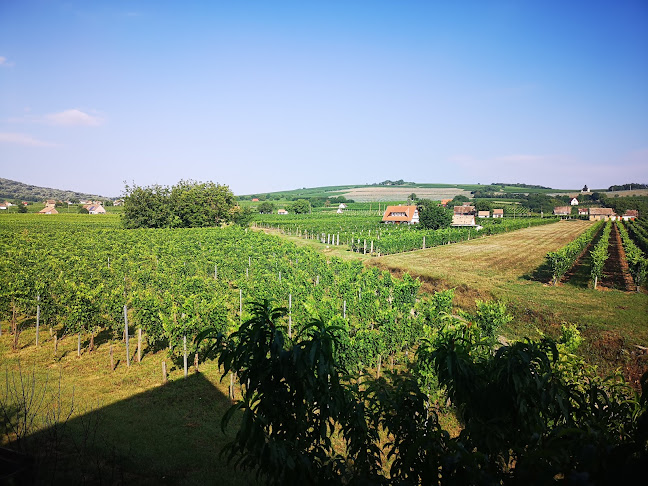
4	62
72	117
23	139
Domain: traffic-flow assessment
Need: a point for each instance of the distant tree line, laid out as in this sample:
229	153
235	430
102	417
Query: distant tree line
628	187
188	204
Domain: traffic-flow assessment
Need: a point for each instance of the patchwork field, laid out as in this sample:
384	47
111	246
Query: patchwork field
373	193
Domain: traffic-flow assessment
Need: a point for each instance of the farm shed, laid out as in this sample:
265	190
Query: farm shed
463	220
483	214
282	211
498	213
562	211
401	214
602	214
630	215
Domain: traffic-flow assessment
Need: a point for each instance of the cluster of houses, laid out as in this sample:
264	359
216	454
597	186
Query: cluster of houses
93	207
463	215
596	214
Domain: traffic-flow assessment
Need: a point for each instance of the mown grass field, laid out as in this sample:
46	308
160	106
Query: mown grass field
510	267
126	427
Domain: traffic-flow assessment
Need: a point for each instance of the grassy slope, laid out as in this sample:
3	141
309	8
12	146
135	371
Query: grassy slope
327	191
509	267
146	432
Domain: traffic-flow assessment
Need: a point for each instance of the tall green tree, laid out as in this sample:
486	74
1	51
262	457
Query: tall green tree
433	216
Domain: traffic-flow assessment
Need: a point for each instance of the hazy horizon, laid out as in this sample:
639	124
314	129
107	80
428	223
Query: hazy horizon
270	96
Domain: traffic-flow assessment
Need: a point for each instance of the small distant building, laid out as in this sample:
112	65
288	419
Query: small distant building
630	215
463	220
464	209
95	209
602	214
444	202
583	211
562	211
50	202
574	202
483	214
585	189
498	213
401	215
48	210
282	211
255	199
118	202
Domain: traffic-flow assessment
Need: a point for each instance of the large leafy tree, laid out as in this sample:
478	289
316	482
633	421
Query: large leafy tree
188	204
300	206
433	216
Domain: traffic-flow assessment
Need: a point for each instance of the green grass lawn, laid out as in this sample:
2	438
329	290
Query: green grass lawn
125	425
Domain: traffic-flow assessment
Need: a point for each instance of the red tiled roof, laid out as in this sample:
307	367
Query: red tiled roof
399	214
601	212
464	209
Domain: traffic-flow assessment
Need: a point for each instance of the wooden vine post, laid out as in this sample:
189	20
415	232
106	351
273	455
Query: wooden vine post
126	336
139	345
37	317
184	344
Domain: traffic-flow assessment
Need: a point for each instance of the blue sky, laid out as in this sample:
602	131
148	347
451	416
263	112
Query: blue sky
267	95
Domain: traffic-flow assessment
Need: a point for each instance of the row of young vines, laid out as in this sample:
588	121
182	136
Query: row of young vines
176	283
562	260
637	261
370	235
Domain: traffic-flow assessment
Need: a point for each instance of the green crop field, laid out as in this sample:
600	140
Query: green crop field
106	416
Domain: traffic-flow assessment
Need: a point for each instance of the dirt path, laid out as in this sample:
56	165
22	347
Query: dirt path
616	274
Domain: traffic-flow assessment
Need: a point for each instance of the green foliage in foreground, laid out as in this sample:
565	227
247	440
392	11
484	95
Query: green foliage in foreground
530	413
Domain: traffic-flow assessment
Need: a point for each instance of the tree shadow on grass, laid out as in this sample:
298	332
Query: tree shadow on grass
167	435
542	274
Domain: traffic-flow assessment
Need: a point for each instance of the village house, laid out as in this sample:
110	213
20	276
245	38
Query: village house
282	211
118	202
562	211
498	213
466	208
574	202
95	208
444	202
463	220
48	210
602	214
50	202
401	214
5	205
630	215
483	214
583	211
